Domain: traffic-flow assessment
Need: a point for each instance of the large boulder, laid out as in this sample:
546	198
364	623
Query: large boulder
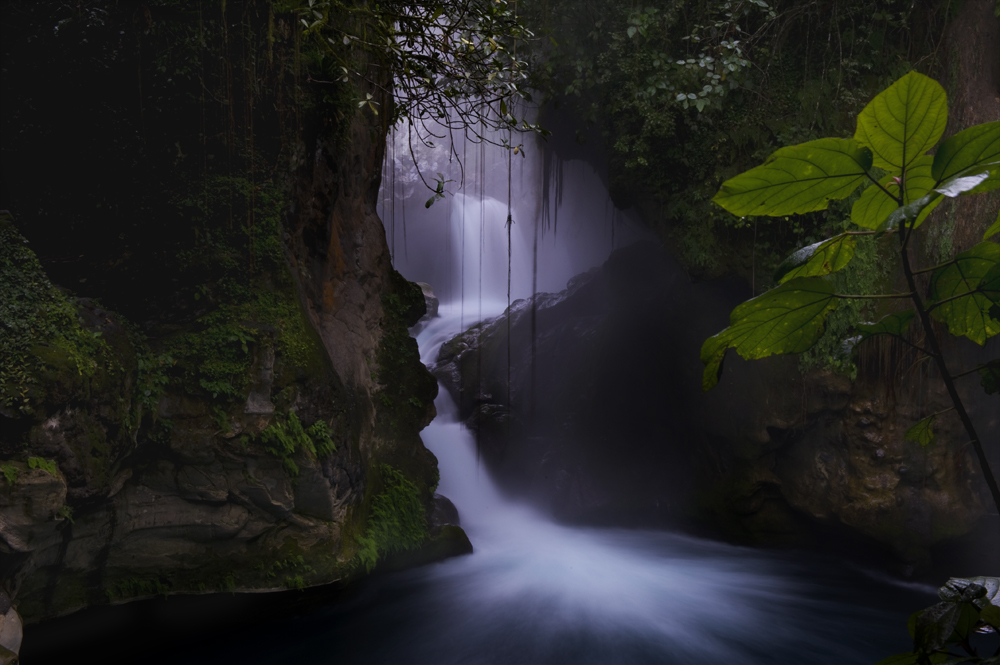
599	414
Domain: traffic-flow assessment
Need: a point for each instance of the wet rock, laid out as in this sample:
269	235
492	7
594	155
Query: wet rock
430	300
444	512
604	419
11	634
29	508
313	496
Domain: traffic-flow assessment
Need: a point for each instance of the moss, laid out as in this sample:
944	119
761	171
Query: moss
397	522
406	388
39	326
285	437
137	587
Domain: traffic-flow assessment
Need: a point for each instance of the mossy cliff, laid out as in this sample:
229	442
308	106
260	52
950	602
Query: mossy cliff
206	379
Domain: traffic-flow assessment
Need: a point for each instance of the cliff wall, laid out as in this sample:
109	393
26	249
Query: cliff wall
207	382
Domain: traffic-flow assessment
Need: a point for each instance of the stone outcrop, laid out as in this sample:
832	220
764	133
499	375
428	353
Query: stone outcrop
221	420
605	419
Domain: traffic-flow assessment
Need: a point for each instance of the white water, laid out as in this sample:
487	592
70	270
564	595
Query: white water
537	591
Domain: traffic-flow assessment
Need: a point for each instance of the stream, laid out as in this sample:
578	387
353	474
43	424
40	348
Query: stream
535	591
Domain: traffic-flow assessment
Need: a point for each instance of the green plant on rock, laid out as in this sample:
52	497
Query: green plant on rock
284	437
10	473
38	323
133	587
397	522
46	465
66	512
894	133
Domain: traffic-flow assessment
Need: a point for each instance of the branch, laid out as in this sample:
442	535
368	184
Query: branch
937	303
933	268
938	357
848	296
899	201
902	339
970	371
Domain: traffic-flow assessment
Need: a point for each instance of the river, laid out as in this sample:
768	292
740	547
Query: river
535	591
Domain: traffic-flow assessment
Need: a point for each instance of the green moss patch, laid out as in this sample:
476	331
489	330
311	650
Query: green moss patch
286	436
39	325
397	522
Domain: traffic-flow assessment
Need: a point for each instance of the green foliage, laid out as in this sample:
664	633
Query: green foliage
922	431
963	290
34	314
293	564
66	512
320	435
894	131
397	521
10	473
453	64
787	319
134	587
46	465
798	179
895	325
994	228
802	71
904	122
284	437
991	377
967	605
821	258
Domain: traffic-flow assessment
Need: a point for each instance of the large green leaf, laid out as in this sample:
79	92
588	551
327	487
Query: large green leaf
969	150
922	207
936	624
891	324
797	179
922	431
821	258
786	319
903	121
980	590
973	280
874	205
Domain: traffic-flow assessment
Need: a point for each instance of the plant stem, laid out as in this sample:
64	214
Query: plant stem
968	371
852	296
932	340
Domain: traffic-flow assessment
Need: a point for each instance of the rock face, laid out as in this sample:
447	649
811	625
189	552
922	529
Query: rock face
432	304
226	416
605	419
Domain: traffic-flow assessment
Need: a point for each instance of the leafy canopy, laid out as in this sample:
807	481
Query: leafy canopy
894	133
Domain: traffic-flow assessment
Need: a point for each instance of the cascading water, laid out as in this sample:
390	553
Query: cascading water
535	591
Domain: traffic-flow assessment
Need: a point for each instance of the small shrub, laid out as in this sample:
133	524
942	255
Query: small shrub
46	465
10	473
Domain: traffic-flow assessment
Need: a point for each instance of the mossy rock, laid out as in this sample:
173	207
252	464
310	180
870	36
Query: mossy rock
451	541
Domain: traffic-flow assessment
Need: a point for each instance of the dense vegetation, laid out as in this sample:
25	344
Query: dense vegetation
687	94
